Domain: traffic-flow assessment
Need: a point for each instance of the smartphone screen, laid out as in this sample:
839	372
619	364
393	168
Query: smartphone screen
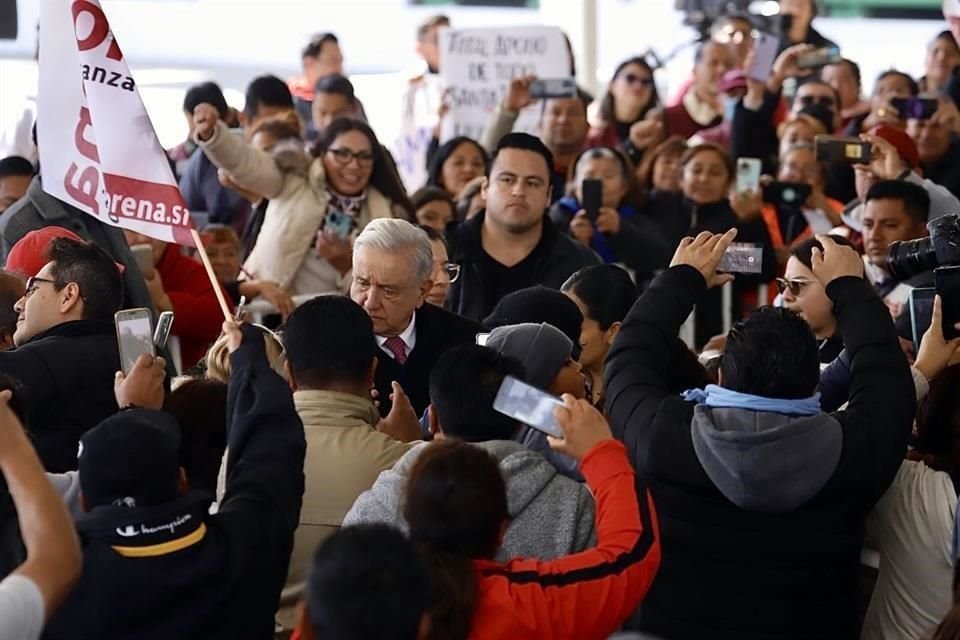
819	58
742	257
134	335
482	339
553	88
338	223
921	312
592	197
765	48
529	405
748	175
947	282
162	332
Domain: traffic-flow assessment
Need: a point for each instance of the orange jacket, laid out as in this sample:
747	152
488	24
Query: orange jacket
588	594
583	596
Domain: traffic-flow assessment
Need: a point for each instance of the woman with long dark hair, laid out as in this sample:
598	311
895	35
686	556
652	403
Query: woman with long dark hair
318	203
456	508
456	163
630	97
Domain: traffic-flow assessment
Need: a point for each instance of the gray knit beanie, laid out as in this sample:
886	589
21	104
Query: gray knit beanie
542	348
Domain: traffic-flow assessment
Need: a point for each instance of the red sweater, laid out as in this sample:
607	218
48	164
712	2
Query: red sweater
588	594
197	317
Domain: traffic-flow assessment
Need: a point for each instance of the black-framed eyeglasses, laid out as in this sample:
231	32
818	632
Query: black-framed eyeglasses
826	101
34	282
632	78
343	156
793	284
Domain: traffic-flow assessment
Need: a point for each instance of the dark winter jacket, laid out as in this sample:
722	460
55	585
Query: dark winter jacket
761	514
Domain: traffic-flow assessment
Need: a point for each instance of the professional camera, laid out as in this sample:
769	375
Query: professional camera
940	249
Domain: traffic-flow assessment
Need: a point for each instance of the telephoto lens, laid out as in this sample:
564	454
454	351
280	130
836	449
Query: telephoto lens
941	248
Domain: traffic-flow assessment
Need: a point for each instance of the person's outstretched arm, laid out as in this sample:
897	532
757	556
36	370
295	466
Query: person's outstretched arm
53	553
590	594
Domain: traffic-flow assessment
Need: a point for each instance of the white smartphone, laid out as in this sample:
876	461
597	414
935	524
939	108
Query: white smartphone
748	175
765	48
134	335
482	339
162	332
529	405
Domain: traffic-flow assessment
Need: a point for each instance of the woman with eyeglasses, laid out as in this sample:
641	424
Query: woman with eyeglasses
318	204
620	233
625	107
444	272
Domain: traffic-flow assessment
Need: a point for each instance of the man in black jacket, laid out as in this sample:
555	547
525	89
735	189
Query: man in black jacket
156	564
66	348
392	263
761	497
511	245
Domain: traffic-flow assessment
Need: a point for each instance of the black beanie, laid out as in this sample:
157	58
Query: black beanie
539	305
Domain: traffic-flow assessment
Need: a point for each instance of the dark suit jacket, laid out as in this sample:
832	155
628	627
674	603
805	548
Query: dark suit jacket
437	331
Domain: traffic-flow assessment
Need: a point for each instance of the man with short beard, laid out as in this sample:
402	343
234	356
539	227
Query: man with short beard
508	247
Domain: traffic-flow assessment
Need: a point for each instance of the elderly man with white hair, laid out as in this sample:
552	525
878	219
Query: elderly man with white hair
392	267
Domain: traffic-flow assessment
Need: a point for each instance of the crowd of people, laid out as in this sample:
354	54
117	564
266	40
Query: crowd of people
759	451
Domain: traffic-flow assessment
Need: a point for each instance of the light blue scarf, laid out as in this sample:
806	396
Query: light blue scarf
720	398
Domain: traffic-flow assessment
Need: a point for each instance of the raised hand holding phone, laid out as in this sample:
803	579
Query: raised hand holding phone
935	352
704	254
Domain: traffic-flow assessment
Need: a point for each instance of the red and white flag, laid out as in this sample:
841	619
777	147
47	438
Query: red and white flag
98	149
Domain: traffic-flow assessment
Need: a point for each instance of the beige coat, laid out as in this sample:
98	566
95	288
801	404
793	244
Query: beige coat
345	454
298	203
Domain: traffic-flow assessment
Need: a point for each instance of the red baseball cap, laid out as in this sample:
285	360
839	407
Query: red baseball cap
31	252
902	142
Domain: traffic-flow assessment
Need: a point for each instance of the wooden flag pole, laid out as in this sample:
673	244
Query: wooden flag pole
217	289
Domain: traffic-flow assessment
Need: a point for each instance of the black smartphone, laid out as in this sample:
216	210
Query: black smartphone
788	194
842	150
592	197
921	312
915	108
947	283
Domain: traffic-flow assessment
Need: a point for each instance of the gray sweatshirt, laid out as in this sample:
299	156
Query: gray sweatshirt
550	515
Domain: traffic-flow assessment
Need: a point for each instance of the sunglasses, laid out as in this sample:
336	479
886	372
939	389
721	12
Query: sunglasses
631	78
826	101
794	285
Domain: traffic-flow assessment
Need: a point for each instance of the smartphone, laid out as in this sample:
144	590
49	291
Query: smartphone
921	312
482	339
819	58
842	150
592	197
765	48
915	108
748	175
143	254
338	224
134	335
788	194
947	283
529	405
162	333
553	88
742	257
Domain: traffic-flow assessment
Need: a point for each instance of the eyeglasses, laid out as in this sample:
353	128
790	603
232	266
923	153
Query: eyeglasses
34	282
794	285
631	78
452	270
343	156
826	101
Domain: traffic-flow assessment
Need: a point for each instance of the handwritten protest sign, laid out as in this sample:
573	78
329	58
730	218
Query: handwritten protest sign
476	66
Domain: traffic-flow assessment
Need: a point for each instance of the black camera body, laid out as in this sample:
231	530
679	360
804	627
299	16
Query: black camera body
940	249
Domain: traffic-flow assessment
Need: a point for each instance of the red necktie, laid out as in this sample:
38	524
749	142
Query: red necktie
398	348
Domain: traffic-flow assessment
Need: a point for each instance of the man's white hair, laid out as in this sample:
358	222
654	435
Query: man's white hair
394	234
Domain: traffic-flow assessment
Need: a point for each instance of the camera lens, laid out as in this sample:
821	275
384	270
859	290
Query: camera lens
911	257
